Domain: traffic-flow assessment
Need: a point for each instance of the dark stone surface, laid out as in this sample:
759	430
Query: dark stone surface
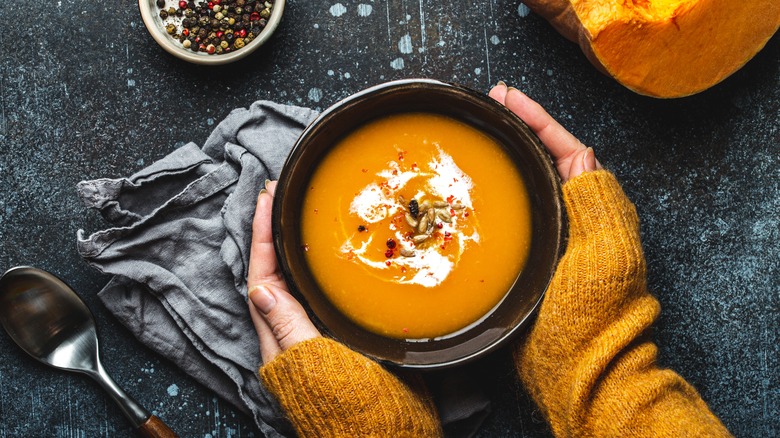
85	93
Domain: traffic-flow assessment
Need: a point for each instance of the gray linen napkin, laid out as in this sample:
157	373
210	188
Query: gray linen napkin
179	251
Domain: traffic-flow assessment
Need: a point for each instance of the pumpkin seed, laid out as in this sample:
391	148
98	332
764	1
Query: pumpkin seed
444	215
420	238
407	252
431	215
411	220
423	225
441	204
458	207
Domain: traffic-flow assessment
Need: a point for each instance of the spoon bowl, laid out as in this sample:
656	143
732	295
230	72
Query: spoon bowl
49	321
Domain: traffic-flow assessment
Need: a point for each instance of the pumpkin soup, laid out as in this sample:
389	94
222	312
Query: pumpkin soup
416	225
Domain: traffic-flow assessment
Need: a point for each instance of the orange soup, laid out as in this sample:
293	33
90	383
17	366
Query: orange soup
416	225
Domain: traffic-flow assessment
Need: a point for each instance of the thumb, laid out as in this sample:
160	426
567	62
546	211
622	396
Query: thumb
583	161
284	315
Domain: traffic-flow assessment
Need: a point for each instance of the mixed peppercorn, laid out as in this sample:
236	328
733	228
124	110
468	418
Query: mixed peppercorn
215	27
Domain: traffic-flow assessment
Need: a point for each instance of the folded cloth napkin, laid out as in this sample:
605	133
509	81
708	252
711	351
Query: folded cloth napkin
178	250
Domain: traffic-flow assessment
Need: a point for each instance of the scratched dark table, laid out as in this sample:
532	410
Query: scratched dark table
86	93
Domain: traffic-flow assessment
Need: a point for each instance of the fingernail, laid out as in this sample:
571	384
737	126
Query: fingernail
262	191
262	298
267	181
513	89
589	160
501	83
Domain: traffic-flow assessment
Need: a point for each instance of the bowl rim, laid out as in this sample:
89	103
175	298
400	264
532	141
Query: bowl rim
548	169
168	44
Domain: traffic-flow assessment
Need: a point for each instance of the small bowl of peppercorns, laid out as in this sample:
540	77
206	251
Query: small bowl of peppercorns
211	32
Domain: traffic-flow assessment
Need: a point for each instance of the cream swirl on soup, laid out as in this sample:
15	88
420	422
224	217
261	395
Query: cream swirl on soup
426	263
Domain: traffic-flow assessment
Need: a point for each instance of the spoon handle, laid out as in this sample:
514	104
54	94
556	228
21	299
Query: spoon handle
155	428
147	424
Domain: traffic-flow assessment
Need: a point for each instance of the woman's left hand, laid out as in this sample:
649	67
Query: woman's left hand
279	319
572	158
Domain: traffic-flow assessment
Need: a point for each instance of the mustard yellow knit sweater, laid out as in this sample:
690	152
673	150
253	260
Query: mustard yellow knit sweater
587	362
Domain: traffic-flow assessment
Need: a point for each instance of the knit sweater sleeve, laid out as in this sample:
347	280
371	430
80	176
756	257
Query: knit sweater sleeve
327	390
587	361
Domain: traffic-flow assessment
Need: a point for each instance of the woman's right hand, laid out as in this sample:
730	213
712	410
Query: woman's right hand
279	319
572	158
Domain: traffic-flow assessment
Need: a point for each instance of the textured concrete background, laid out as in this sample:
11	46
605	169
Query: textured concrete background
86	93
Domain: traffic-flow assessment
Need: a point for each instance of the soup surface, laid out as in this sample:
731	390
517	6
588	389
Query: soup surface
416	225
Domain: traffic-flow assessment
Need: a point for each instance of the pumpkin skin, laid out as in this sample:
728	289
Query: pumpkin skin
665	48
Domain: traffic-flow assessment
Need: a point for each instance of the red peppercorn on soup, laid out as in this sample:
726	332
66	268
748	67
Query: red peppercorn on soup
420	222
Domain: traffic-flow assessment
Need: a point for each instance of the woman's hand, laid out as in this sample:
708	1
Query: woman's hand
571	157
279	319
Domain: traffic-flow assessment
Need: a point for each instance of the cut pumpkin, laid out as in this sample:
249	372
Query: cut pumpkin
665	48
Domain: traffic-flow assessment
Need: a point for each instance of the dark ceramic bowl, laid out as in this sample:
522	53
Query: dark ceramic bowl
478	110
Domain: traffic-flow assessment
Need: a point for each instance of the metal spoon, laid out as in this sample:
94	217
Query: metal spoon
46	318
